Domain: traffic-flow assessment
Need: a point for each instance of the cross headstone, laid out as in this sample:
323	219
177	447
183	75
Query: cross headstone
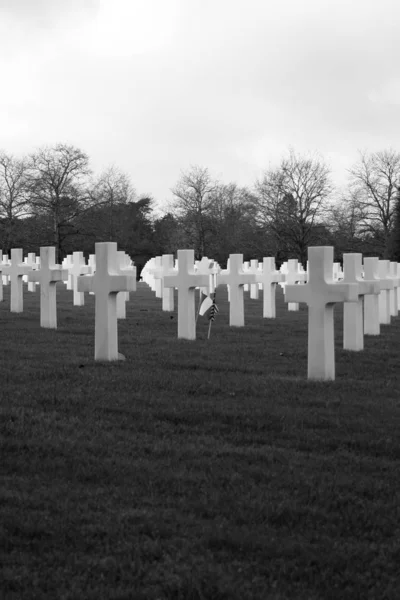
31	261
78	267
106	283
371	301
67	264
387	285
186	280
15	271
269	277
167	293
125	268
4	263
254	289
321	294
394	310
353	329
48	275
235	277
294	276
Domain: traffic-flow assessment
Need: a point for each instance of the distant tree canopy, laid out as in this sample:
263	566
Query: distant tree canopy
51	197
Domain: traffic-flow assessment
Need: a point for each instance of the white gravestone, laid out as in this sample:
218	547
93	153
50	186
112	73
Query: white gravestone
167	293
67	264
106	283
125	269
294	276
48	275
353	326
387	286
31	261
4	263
371	301
235	277
15	271
156	270
321	293
254	288
394	310
398	293
78	267
186	280
246	267
269	277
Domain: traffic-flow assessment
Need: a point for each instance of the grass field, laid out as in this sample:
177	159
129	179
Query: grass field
195	470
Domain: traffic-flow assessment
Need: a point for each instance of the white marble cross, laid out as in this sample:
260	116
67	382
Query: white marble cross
371	301
167	293
67	264
78	267
31	261
394	310
106	283
236	278
4	263
387	286
269	277
254	288
321	294
125	269
353	329
294	276
16	270
186	280
48	275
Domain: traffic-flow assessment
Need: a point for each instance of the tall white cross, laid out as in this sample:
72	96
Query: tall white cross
353	330
371	302
387	286
125	268
254	289
167	293
78	267
236	278
321	294
269	277
106	283
394	310
292	277
16	270
186	280
31	261
48	275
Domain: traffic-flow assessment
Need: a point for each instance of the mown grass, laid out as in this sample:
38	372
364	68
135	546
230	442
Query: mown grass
195	470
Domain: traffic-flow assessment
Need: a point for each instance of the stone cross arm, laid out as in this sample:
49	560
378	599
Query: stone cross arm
328	293
115	283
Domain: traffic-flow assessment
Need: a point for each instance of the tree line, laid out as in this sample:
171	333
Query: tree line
52	197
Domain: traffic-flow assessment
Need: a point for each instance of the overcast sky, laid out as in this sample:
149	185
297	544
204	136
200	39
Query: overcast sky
153	86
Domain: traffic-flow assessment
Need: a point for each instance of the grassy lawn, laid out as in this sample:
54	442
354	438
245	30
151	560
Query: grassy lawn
195	470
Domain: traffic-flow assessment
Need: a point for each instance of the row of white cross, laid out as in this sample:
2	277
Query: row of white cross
369	292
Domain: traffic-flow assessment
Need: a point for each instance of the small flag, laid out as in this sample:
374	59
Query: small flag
205	305
214	310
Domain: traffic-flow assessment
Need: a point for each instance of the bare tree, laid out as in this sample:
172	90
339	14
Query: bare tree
292	200
193	200
375	179
113	188
59	188
14	198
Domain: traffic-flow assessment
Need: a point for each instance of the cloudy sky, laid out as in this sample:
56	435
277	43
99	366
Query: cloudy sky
154	86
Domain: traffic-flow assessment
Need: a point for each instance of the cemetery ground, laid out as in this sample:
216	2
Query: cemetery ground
196	470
